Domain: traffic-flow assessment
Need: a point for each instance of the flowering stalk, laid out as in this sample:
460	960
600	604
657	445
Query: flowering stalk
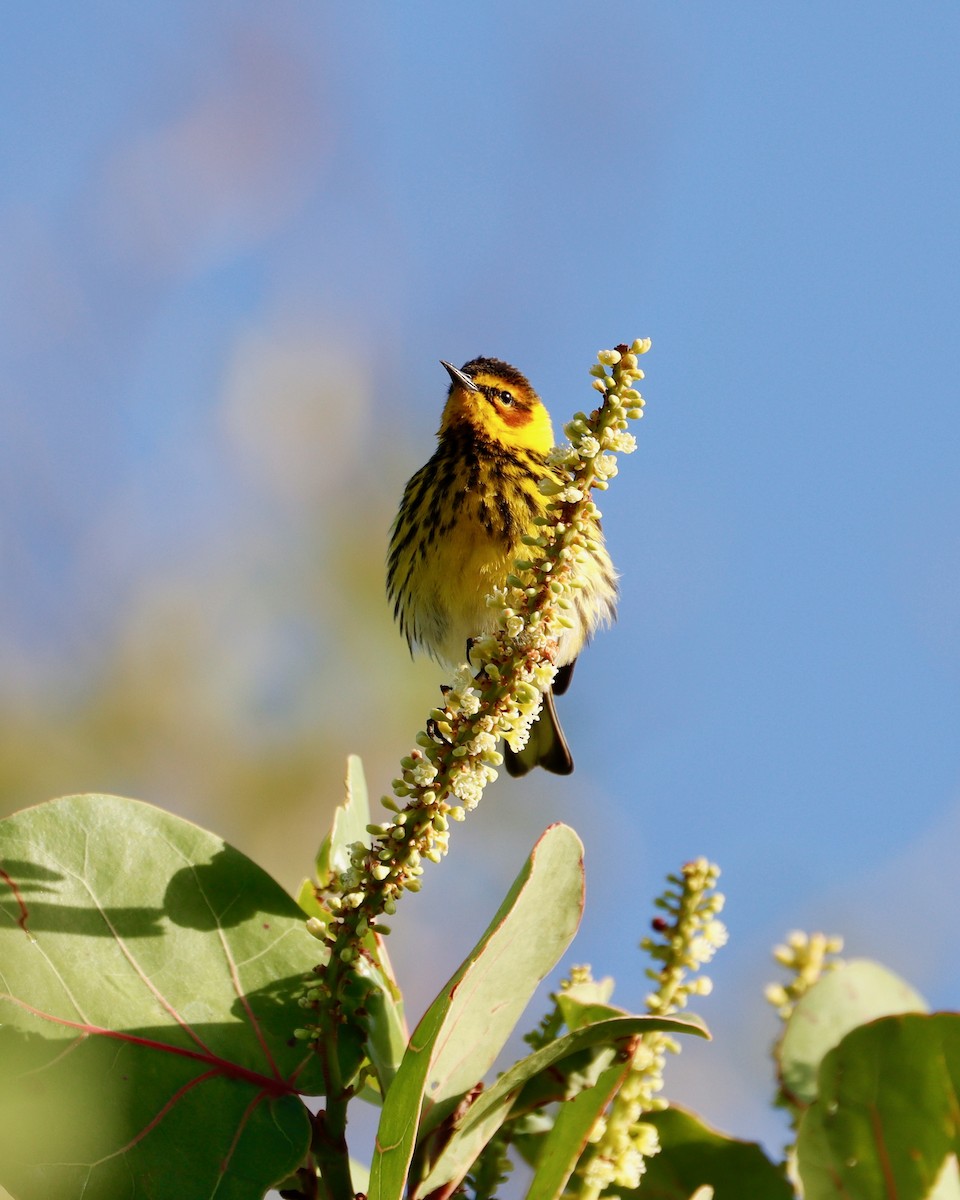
497	694
690	934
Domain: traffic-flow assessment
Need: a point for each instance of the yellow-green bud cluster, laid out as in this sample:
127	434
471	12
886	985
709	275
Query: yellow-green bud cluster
688	936
622	1141
807	956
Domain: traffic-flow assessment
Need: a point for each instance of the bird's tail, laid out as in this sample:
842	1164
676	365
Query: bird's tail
546	748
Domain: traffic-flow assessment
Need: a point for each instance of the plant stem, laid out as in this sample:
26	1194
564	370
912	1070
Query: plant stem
330	1129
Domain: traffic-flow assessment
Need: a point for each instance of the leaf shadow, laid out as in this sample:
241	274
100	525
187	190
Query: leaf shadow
21	881
204	896
211	895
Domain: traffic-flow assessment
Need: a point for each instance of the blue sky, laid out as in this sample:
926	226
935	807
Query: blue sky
198	199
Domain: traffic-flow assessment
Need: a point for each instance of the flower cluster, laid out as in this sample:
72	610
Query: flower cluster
688	936
807	956
623	1141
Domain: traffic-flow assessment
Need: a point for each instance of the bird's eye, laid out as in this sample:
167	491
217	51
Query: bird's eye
506	399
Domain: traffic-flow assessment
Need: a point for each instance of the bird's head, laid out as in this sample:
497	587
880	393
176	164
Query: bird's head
498	403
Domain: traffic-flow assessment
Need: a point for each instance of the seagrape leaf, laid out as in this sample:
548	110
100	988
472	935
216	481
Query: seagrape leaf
485	999
593	991
581	1068
465	1028
693	1155
148	982
579	1010
562	1145
486	1114
385	1027
887	1113
350	821
852	994
378	994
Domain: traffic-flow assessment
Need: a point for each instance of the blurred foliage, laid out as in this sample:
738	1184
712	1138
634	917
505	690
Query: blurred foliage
196	1043
228	680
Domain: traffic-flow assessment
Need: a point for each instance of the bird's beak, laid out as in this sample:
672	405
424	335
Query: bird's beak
458	377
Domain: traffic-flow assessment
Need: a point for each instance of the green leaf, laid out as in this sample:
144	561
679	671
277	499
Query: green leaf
693	1155
308	901
350	821
887	1114
565	1142
485	999
583	1068
594	991
384	1025
488	1112
465	1028
852	994
579	1012
148	984
375	985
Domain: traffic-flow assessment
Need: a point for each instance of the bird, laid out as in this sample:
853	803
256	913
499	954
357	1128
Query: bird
460	528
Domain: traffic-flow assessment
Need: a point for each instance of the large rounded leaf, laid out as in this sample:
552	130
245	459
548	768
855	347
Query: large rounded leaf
887	1116
693	1155
852	994
148	977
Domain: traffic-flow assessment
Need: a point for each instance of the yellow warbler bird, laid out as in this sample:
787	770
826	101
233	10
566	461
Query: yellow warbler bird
460	528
